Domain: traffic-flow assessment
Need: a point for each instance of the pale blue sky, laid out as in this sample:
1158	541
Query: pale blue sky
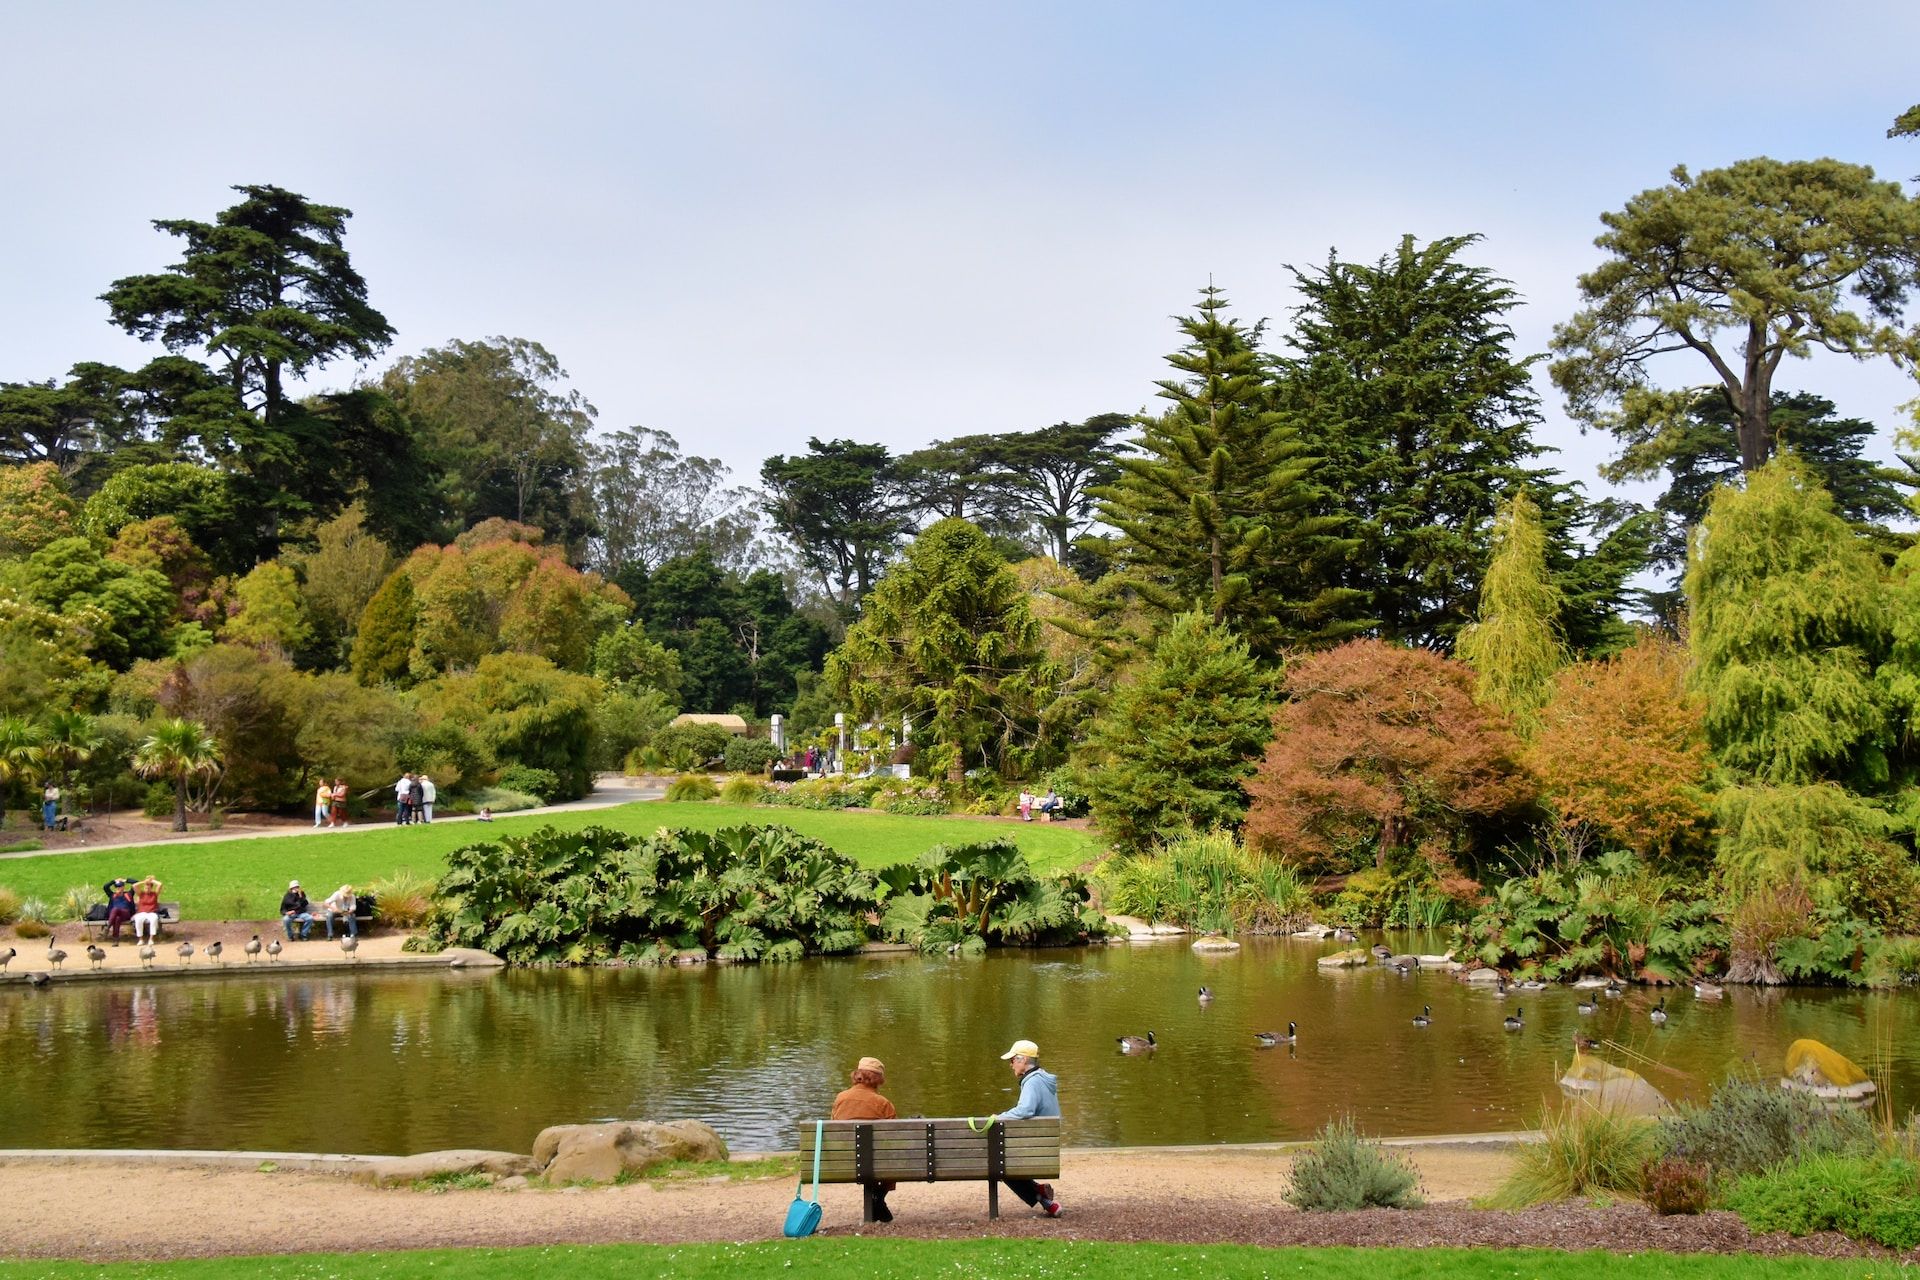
746	224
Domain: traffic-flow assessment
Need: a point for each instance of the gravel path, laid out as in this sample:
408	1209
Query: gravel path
56	1210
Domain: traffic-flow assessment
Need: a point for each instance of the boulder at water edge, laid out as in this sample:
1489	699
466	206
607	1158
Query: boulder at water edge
1353	959
406	1170
571	1152
1814	1068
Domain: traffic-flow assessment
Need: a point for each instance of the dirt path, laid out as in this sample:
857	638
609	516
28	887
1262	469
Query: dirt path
55	1210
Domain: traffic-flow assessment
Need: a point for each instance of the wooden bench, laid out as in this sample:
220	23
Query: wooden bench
870	1151
96	921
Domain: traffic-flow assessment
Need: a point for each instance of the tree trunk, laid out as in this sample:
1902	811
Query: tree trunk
180	803
1753	404
1389	839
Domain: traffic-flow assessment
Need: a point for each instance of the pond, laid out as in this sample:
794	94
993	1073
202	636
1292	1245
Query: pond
387	1062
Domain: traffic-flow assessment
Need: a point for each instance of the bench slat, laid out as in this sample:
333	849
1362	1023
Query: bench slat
910	1171
942	1148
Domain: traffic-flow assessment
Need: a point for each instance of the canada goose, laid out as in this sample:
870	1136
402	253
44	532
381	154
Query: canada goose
1424	1017
1612	990
95	954
1584	1044
1708	991
214	949
252	948
1404	965
273	951
1268	1039
185	952
1206	995
1587	1005
1382	953
1128	1044
1659	1014
1500	987
351	944
1514	1021
147	953
55	957
1531	984
6	959
39	979
1344	935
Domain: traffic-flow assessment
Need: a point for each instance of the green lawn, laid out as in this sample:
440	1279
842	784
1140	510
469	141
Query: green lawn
833	1259
243	879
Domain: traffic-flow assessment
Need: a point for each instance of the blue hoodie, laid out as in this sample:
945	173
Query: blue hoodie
1039	1096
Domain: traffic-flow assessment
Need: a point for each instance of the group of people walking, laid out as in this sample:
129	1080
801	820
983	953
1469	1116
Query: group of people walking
1039	1096
413	797
330	803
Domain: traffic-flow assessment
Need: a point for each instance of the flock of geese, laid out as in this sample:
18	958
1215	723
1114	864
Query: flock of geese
1515	1021
215	951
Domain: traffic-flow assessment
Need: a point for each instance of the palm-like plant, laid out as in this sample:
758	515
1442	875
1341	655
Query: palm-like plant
178	750
20	741
69	738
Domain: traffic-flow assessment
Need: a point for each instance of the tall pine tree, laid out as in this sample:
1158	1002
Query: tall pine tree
1218	508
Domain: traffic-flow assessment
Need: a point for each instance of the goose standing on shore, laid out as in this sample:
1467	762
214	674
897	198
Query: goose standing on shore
6	960
95	955
185	952
55	956
214	949
351	944
147	952
252	948
273	951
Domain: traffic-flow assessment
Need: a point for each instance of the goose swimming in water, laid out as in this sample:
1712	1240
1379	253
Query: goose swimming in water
1206	995
1268	1039
1138	1044
1587	1005
1424	1017
1659	1013
1708	991
1514	1021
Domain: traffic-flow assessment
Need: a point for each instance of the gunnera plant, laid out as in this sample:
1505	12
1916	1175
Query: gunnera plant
692	786
1748	1127
1343	1170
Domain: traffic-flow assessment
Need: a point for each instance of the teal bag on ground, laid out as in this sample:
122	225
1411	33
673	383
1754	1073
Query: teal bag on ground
803	1215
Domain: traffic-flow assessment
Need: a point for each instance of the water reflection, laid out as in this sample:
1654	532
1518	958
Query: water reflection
421	1062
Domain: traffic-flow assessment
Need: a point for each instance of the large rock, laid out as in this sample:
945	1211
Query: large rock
602	1152
406	1170
1352	959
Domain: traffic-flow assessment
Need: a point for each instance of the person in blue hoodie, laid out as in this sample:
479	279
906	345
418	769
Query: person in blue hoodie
1039	1096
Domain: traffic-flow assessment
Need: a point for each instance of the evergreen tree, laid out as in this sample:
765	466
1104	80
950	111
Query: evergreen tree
1788	623
384	638
947	638
1515	648
1217	508
1175	744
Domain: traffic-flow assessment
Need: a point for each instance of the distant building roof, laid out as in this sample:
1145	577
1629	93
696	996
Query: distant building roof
732	724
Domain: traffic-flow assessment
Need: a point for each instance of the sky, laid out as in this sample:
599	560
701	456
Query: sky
748	224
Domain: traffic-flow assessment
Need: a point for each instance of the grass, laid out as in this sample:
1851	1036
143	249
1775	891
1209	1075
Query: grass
1583	1151
215	880
1025	1259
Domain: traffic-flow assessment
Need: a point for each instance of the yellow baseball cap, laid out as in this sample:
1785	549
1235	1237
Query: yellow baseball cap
1021	1049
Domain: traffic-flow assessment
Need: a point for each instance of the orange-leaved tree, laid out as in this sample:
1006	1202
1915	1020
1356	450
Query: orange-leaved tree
1622	749
1385	747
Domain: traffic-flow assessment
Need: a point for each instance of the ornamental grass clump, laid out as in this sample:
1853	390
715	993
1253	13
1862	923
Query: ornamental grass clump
740	789
1343	1170
1583	1151
692	786
9	906
402	900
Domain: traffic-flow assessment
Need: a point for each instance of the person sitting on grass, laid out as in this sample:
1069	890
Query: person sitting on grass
486	813
342	905
296	909
862	1100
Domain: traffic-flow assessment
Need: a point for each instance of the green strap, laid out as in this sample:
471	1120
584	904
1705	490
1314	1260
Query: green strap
819	1137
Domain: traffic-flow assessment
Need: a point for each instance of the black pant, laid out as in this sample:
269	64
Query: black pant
1026	1188
876	1206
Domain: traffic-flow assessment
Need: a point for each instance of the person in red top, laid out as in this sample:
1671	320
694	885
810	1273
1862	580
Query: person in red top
146	910
862	1100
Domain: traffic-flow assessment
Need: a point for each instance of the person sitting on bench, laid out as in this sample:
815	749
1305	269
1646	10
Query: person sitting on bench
119	907
862	1101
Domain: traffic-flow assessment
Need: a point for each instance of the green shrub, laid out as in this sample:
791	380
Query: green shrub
498	799
824	793
748	755
642	761
1343	1170
741	789
403	900
530	781
969	896
692	786
922	800
159	800
624	721
1208	881
1676	1186
1874	1198
1067	783
9	906
1749	1126
1583	1151
690	746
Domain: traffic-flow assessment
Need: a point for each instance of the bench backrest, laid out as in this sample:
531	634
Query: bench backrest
932	1150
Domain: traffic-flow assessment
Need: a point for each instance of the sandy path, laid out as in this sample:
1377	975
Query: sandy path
55	1209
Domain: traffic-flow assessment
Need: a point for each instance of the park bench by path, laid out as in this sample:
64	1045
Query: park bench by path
96	921
938	1150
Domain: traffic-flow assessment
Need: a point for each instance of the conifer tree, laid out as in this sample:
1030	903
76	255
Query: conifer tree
1515	647
1217	509
1788	623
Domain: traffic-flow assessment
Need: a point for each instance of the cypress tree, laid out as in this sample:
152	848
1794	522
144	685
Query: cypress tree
1515	647
1217	508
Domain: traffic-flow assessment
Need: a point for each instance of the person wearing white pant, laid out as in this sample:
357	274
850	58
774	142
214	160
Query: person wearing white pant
425	792
146	910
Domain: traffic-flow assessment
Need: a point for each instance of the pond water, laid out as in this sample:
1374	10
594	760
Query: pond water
386	1062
